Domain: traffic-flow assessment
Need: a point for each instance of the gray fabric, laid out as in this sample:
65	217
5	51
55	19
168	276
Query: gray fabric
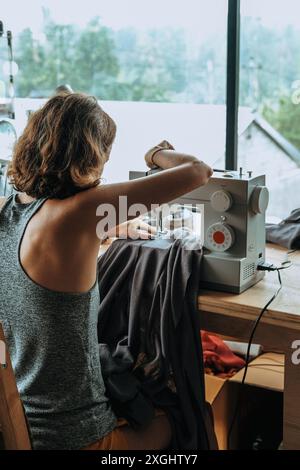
287	233
52	340
150	324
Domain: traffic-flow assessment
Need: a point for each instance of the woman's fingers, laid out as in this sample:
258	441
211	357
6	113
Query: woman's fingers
146	227
143	232
135	229
143	235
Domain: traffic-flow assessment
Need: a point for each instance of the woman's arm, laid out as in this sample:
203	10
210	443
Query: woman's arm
182	173
164	156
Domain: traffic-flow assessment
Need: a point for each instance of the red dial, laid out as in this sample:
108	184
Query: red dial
219	237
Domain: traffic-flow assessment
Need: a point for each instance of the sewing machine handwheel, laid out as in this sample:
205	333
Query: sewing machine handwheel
259	199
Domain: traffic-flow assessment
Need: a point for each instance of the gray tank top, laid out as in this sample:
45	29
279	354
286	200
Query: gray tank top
52	340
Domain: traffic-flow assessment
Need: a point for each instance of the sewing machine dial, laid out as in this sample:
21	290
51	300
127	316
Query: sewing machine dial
221	201
219	237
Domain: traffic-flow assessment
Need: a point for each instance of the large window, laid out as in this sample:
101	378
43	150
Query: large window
158	67
269	140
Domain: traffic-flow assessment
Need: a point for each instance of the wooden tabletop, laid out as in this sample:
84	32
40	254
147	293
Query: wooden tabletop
285	309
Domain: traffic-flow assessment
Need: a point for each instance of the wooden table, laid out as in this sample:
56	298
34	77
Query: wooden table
234	315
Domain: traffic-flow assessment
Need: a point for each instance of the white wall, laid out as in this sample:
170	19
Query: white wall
259	153
196	129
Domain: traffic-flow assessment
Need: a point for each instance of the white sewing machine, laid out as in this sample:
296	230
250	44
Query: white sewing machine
233	227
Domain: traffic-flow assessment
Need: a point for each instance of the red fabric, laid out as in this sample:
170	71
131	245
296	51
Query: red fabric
218	358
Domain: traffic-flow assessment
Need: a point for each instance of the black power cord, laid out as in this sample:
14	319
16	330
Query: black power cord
261	267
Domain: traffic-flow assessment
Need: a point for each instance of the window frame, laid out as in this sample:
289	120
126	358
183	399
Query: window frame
232	85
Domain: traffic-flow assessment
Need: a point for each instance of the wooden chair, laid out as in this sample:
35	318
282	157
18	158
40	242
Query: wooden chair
12	417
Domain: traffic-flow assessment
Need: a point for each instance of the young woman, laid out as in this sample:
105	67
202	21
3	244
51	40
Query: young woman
49	243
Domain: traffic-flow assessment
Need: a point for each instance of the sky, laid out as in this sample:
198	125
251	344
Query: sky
199	17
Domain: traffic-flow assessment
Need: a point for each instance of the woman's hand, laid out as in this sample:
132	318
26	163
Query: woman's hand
134	229
165	157
164	145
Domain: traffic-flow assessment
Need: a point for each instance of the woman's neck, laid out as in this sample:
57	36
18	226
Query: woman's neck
24	198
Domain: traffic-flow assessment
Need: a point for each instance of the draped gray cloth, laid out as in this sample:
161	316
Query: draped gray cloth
287	232
149	335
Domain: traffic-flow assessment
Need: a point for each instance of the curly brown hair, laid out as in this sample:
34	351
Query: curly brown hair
63	148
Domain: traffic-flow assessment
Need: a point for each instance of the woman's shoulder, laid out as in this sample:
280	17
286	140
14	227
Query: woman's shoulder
80	214
69	212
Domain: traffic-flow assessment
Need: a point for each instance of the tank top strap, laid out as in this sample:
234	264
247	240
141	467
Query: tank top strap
28	208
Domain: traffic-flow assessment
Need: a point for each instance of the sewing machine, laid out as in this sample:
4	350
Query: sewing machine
233	226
